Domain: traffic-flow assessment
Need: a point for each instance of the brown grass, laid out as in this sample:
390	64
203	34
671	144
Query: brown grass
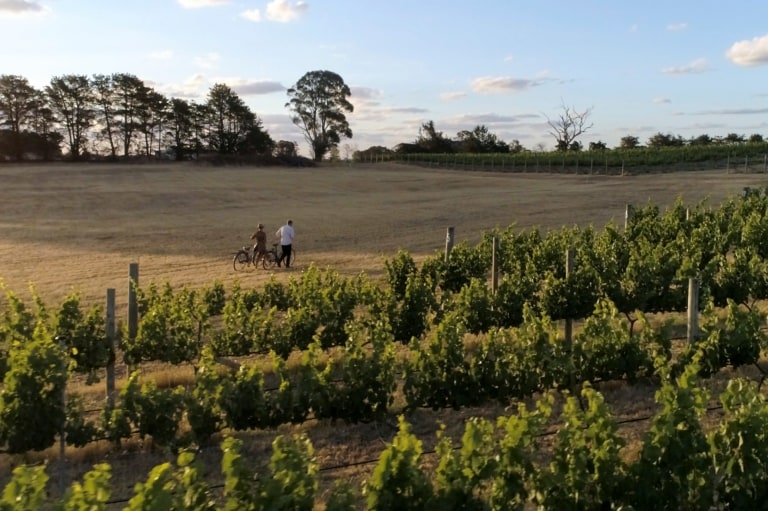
67	228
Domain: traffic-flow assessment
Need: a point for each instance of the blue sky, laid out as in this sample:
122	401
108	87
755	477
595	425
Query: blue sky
681	67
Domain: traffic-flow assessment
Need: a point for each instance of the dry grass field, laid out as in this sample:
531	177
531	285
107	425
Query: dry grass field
67	228
78	227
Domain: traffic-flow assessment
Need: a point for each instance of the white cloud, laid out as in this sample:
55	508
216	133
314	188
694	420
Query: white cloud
749	53
452	96
196	4
208	61
21	8
502	84
161	55
251	15
697	66
676	27
662	101
193	87
284	11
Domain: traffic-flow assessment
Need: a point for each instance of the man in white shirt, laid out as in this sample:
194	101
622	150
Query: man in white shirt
286	234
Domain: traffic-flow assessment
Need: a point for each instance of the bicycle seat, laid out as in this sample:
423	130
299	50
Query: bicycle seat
274	244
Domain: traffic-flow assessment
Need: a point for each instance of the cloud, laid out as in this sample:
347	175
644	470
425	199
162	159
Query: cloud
676	27
192	88
208	61
284	11
21	8
493	119
502	84
251	15
749	53
732	111
452	96
697	66
197	4
161	55
662	101
359	92
405	110
252	87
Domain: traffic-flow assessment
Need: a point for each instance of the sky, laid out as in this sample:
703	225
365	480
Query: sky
680	67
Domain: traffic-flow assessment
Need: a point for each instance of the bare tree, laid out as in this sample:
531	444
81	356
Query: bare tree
569	125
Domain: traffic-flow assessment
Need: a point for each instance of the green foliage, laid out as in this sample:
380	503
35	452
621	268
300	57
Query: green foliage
170	329
462	475
397	483
243	400
586	471
674	470
411	317
31	407
214	298
204	412
154	411
92	494
26	490
84	334
438	375
398	270
738	447
474	306
79	432
604	349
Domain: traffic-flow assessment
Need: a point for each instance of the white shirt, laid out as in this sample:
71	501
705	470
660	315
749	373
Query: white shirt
285	233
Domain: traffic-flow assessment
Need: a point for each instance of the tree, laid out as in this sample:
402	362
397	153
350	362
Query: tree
18	101
319	102
629	142
480	140
432	141
733	139
233	127
71	98
105	99
598	146
130	93
756	138
665	140
701	140
569	125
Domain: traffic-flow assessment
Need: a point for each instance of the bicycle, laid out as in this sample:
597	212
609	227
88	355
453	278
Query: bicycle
273	255
244	258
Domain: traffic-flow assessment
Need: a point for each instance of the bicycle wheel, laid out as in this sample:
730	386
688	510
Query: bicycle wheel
269	259
241	260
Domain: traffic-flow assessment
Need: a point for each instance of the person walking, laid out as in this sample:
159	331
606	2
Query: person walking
286	235
260	247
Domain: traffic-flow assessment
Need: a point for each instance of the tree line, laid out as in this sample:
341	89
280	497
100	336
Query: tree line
119	115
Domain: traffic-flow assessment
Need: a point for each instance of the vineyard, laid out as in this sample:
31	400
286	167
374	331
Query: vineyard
752	157
433	335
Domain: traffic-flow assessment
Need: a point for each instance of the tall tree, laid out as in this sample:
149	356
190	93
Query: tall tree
233	127
319	102
130	92
18	101
71	99
106	102
569	126
152	113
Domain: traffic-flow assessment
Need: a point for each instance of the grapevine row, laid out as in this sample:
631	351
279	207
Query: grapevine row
495	466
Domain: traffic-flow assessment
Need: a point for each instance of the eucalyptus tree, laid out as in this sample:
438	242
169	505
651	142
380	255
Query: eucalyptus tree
319	102
18	101
71	100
